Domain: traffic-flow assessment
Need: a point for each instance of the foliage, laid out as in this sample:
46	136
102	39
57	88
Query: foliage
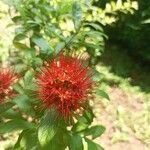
133	31
42	30
107	11
45	28
56	26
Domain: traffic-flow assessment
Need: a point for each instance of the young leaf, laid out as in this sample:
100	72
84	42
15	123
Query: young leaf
95	131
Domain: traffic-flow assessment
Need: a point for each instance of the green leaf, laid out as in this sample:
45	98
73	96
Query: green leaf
43	44
102	94
28	77
17	19
89	115
11	114
17	43
48	127
95	131
19	37
96	34
75	142
37	62
92	47
24	140
12	2
23	102
147	21
17	145
59	47
30	54
14	125
59	142
77	14
20	67
94	25
81	125
20	45
92	145
6	106
97	76
17	87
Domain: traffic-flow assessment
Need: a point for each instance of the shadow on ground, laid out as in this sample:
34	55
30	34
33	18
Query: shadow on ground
126	66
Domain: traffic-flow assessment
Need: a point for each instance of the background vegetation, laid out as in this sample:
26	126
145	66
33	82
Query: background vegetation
114	35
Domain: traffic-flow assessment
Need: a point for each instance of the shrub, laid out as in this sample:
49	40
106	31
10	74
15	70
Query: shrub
54	84
133	31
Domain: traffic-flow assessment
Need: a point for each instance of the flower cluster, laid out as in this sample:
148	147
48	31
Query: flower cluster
7	78
65	83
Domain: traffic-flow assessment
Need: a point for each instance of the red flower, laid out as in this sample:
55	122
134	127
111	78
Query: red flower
65	83
7	78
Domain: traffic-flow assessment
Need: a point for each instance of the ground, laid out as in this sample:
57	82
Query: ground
126	115
116	137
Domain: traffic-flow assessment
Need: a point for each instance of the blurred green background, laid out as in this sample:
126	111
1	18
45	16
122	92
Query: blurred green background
117	46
